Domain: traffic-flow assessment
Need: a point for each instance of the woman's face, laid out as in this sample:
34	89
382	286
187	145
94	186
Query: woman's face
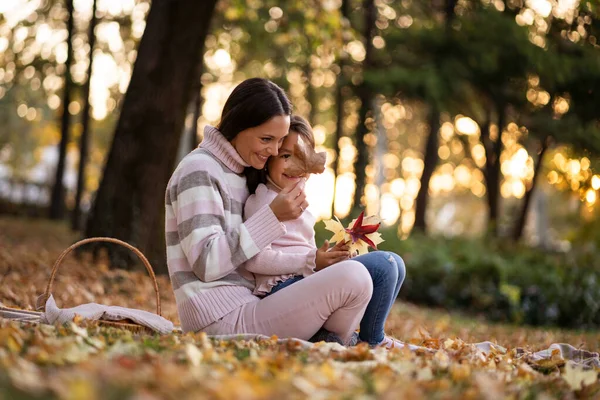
278	164
255	145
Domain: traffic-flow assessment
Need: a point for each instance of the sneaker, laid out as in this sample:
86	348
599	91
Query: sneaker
323	335
389	343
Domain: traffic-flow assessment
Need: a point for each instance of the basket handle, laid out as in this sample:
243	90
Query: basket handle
41	301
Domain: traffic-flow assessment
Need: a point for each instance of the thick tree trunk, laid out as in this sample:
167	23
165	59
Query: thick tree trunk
130	201
57	202
365	95
430	160
520	224
84	140
197	100
197	112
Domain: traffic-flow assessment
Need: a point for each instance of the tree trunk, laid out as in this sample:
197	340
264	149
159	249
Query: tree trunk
430	160
430	157
520	224
57	202
339	104
195	116
197	100
130	200
365	95
84	140
492	173
311	95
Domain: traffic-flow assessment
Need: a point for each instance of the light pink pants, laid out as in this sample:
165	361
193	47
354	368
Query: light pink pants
334	298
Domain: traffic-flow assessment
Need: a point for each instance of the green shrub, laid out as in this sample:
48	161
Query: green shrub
502	281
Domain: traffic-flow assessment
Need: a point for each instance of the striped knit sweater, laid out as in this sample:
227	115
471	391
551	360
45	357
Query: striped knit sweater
207	241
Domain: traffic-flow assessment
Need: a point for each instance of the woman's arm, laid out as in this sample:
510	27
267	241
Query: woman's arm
196	219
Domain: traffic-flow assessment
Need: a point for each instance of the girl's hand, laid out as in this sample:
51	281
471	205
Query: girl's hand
326	256
290	203
341	246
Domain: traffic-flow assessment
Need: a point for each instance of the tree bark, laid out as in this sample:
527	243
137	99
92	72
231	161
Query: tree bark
492	173
365	95
130	200
520	224
84	140
57	202
430	157
339	104
197	112
430	160
311	95
197	100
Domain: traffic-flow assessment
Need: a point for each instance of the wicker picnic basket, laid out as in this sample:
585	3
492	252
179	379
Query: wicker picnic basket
124	324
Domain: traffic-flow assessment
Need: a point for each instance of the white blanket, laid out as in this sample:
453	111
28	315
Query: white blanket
95	311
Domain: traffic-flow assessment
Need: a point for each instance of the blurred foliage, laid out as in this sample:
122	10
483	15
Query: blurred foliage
502	281
488	51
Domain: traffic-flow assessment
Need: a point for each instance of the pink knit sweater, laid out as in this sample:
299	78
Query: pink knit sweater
292	254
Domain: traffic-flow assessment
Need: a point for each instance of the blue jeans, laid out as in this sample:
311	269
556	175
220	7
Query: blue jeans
284	284
387	271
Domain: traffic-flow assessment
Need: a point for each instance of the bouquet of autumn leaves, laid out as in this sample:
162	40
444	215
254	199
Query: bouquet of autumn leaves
360	234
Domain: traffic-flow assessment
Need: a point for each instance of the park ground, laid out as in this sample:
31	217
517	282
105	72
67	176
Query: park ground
87	361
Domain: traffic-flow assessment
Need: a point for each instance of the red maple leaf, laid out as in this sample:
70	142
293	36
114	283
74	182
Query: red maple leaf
358	231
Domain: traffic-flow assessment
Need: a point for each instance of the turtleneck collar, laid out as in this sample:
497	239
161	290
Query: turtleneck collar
222	149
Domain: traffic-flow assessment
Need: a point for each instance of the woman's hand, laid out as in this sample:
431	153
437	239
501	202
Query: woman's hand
326	256
290	203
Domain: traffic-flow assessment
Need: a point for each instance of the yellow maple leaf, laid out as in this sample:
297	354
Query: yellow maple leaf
335	226
577	377
359	248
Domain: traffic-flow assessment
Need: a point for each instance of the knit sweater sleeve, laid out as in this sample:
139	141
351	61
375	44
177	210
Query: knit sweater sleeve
276	262
200	212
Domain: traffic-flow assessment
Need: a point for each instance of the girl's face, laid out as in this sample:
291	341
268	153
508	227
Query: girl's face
256	144
277	164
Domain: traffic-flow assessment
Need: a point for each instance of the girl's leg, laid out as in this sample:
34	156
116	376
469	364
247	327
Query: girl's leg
387	271
334	298
401	272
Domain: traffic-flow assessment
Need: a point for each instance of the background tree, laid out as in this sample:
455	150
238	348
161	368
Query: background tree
57	201
85	131
129	203
365	95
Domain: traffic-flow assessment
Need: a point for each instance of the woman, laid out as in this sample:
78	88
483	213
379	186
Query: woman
207	241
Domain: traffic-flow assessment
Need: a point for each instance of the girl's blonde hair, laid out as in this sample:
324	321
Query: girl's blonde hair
302	127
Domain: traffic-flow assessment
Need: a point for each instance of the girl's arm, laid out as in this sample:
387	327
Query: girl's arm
274	262
196	220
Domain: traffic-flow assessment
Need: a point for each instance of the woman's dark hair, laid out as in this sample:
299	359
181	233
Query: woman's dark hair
252	103
299	125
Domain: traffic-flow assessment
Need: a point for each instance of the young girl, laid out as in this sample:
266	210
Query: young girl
295	256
